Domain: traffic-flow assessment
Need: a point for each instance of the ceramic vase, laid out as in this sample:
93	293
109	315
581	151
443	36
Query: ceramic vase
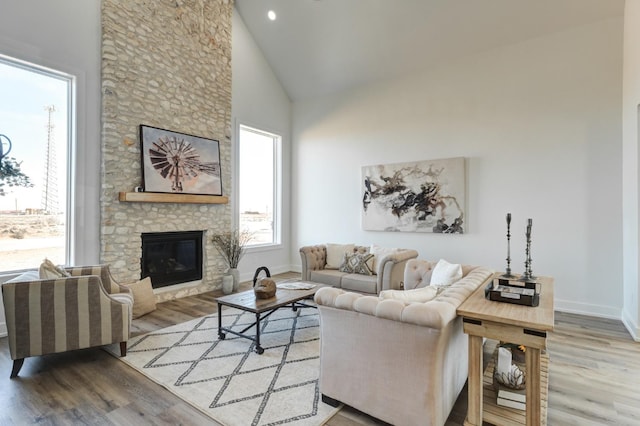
227	284
236	278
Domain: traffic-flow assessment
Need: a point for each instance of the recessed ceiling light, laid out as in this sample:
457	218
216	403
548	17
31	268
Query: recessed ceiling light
271	15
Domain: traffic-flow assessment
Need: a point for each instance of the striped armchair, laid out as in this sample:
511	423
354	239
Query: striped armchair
56	315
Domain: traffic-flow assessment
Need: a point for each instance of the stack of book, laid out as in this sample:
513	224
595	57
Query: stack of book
514	290
512	398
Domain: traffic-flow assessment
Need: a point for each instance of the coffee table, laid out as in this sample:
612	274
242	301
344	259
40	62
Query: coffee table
262	308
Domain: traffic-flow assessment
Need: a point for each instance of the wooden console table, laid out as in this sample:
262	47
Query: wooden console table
512	323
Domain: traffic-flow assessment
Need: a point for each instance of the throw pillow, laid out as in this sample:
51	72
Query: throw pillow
356	263
445	273
144	301
378	253
335	254
420	295
49	271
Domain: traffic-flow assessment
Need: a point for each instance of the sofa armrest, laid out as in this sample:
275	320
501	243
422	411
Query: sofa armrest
110	285
313	258
390	269
435	313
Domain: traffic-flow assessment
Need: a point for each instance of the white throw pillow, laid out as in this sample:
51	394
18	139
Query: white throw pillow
378	253
445	273
335	254
421	295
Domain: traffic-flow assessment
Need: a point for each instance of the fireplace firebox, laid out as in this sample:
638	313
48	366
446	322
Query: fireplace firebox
171	257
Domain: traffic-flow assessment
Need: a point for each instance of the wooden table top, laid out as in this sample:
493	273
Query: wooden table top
247	300
540	317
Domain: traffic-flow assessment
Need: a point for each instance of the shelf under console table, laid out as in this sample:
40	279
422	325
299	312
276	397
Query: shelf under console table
501	415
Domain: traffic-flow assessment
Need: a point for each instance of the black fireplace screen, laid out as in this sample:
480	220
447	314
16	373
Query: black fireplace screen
171	257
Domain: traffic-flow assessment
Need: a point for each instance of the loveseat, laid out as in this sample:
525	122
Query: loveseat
385	270
402	362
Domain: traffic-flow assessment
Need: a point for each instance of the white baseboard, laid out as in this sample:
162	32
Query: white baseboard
600	312
248	276
588	309
631	325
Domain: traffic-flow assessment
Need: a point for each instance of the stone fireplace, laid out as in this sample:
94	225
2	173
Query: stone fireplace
167	65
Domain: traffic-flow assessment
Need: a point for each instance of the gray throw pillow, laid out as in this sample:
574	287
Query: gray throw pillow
356	263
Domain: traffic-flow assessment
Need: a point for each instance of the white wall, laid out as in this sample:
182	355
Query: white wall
258	100
540	125
631	161
65	35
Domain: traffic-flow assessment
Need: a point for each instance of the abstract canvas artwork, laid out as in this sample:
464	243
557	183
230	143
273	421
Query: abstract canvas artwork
421	196
179	163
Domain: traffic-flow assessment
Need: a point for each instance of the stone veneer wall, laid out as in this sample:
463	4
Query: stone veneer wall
167	64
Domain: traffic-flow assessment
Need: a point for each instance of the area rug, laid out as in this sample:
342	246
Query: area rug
227	380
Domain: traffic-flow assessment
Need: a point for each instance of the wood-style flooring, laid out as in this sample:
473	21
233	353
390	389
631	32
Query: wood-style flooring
594	379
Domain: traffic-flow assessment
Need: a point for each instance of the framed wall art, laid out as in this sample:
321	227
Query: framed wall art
422	196
179	163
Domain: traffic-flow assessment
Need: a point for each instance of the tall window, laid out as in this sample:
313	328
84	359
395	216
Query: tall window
35	124
259	185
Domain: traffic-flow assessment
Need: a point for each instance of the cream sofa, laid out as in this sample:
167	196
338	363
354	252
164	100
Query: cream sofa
388	273
403	363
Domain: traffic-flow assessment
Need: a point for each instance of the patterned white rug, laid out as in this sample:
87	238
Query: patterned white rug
227	380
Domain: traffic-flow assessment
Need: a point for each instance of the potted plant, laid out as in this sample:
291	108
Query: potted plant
231	245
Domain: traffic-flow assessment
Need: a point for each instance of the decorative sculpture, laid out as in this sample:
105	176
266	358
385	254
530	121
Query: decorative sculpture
265	287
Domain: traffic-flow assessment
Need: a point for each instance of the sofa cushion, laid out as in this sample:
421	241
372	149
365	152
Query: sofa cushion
330	277
445	273
421	295
335	254
357	263
360	283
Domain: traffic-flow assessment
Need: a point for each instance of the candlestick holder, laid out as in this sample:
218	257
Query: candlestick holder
508	273
528	273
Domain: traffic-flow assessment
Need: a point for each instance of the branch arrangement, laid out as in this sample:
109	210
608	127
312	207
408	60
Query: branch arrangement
231	245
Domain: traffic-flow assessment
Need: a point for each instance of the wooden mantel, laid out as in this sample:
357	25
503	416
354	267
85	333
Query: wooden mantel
160	197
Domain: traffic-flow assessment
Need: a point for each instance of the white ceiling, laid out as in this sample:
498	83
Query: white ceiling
317	47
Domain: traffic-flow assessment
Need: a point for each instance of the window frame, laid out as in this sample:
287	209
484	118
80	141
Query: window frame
70	184
277	190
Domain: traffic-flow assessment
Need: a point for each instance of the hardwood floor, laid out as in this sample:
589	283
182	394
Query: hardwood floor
594	379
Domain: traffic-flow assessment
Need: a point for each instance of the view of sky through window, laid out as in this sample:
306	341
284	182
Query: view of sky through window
34	116
257	185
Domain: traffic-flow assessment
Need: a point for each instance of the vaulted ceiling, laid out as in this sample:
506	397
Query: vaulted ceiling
318	47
